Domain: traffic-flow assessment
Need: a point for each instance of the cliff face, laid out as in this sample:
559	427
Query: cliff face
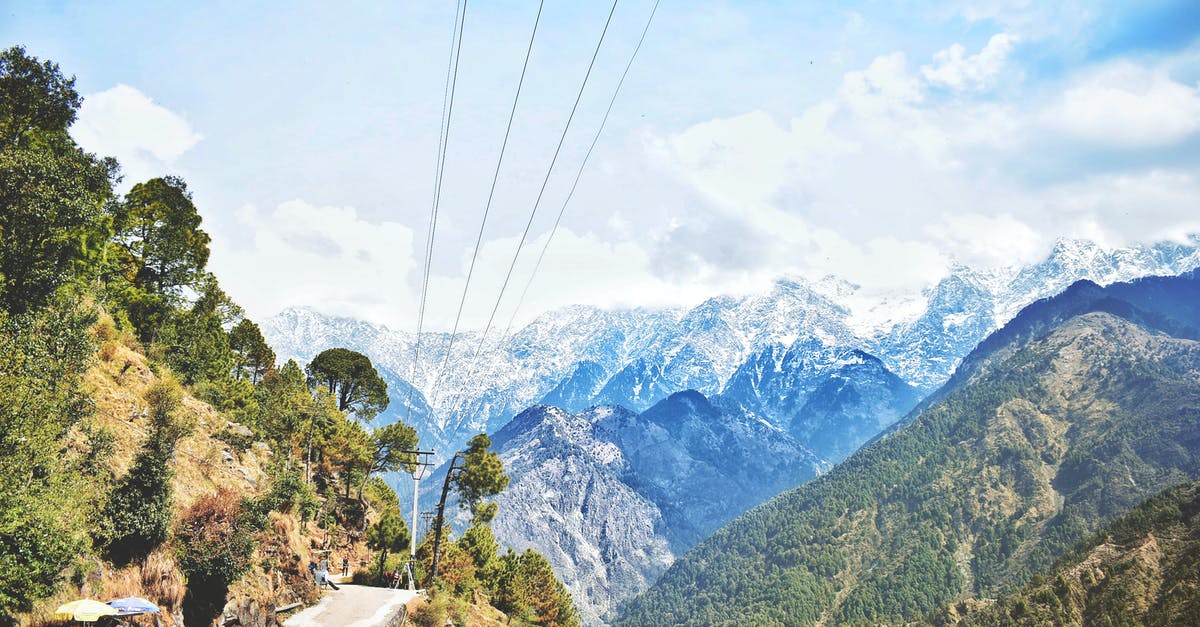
567	501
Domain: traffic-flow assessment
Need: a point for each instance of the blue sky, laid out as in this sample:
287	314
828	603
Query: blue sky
881	142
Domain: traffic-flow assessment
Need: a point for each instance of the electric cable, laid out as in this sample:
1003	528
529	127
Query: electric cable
538	264
487	207
545	181
460	18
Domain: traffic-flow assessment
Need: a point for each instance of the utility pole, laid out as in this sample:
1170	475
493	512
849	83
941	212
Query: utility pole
441	515
419	465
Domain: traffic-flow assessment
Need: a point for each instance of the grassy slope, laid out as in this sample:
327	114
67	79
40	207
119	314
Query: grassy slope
203	465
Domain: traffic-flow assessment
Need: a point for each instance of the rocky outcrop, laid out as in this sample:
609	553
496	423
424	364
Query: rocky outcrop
609	496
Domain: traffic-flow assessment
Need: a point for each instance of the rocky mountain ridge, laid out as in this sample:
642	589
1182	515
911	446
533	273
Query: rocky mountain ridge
610	496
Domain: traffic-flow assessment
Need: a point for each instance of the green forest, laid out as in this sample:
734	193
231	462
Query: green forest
102	293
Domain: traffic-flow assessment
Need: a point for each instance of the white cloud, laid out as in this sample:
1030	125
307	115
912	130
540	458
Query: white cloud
878	265
736	161
578	269
334	260
144	136
986	241
327	257
884	84
1129	106
885	184
1117	210
953	69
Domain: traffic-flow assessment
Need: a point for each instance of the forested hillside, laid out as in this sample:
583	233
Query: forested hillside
1080	408
1142	569
150	444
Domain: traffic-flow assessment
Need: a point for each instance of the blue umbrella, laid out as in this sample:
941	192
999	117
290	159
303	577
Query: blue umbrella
133	605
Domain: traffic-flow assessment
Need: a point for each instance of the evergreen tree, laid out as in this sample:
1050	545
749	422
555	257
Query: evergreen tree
352	380
43	525
252	355
482	476
160	249
138	513
53	195
195	341
388	534
387	445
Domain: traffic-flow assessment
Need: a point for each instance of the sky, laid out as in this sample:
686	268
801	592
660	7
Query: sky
878	142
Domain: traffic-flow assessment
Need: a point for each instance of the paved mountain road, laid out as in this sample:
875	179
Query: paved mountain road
352	606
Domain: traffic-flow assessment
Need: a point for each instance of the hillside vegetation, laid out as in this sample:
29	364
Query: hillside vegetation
150	445
1079	409
1141	569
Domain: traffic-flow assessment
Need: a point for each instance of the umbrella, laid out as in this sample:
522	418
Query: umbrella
133	605
84	610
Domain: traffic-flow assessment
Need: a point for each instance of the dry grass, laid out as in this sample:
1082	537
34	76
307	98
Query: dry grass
478	613
118	383
162	581
156	579
282	575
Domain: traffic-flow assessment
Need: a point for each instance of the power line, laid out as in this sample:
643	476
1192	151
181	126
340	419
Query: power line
460	19
538	264
545	181
491	193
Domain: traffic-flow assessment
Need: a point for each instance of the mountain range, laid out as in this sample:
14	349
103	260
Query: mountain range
760	349
1081	407
802	367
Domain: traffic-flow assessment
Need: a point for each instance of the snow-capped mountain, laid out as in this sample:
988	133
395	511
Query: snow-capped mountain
832	400
637	357
610	494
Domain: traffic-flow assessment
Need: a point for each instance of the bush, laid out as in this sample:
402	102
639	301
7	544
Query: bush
440	607
289	492
137	515
215	539
214	544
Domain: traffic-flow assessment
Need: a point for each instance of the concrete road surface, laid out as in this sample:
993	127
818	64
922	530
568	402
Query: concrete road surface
352	606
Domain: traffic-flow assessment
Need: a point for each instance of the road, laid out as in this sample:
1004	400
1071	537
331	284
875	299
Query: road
352	606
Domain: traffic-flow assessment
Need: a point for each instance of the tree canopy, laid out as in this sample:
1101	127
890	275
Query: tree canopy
34	96
53	195
160	228
251	353
482	476
350	377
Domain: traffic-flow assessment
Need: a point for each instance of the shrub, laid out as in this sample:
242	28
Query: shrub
214	544
215	539
137	515
289	491
440	607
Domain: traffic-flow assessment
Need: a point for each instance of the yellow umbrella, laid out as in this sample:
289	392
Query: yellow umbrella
84	610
